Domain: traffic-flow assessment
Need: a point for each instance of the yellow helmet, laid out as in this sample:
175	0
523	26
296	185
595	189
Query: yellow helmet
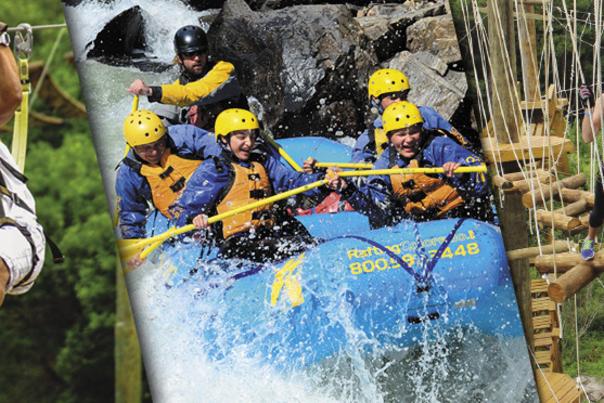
386	81
235	119
143	127
401	115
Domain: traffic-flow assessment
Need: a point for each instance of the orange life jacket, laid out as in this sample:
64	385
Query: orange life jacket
424	194
169	179
249	185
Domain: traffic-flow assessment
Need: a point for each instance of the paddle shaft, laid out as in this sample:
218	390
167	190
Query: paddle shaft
282	152
155	241
350	165
177	231
432	170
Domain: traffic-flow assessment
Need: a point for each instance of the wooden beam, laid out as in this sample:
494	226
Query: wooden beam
517	176
523	186
563	262
557	246
575	181
552	189
556	220
572	195
571	282
573	209
501	182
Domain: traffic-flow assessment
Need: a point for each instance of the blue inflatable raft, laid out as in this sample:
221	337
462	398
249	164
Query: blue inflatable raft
383	289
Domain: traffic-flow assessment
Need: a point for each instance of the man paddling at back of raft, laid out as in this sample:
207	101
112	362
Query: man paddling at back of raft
244	174
22	241
385	87
388	199
204	87
156	169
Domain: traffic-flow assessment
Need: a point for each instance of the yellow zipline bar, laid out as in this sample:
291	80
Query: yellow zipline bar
19	145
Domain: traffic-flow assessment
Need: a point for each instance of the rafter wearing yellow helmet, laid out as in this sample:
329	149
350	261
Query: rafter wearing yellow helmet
387	199
386	86
245	173
156	169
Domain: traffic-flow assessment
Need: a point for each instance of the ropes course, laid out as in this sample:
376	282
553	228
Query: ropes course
525	115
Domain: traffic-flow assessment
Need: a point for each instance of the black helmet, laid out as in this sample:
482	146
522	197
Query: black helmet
190	39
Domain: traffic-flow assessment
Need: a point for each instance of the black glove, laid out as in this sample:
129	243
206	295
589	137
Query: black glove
586	96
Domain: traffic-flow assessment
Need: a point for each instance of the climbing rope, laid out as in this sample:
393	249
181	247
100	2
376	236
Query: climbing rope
47	64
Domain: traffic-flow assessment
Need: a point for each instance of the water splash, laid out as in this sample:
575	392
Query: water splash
162	19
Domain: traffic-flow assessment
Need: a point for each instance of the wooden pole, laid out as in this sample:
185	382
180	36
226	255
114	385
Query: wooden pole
502	51
571	282
527	39
514	219
128	364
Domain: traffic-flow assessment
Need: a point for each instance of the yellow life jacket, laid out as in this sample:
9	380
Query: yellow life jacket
169	179
249	185
424	195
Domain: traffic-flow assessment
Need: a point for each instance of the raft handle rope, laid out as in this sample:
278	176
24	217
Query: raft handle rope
37	27
422	281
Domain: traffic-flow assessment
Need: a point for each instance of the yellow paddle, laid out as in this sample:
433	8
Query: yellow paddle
281	151
345	165
482	168
134	109
131	247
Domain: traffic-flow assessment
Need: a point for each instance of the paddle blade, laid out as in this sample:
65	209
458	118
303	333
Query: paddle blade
128	248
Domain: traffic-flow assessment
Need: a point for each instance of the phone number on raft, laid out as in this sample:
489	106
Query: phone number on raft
381	264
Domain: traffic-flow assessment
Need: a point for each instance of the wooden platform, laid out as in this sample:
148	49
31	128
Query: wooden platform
546	329
554	387
541	146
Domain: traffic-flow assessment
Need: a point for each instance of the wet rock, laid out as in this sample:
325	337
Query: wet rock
435	35
121	39
209	17
594	387
430	84
263	5
305	64
385	24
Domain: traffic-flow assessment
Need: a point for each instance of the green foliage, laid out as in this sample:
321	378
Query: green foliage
65	323
590	325
57	340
